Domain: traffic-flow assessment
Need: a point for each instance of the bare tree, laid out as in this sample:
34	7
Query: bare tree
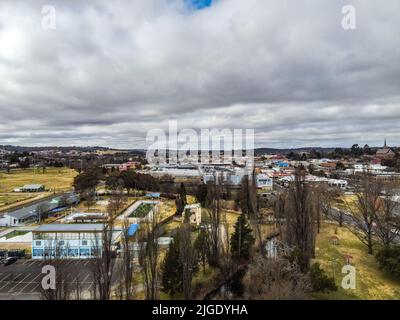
364	210
276	279
126	267
248	196
90	197
117	199
188	257
63	289
329	196
319	202
149	257
298	228
42	211
78	287
214	210
250	206
385	215
103	263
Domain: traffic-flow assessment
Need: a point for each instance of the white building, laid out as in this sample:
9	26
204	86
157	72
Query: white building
194	212
265	182
314	179
71	241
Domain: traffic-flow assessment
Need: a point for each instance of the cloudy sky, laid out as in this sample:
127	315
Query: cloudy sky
112	70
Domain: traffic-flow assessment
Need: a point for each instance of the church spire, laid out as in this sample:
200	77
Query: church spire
385	145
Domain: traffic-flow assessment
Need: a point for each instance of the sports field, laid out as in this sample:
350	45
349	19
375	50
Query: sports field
60	179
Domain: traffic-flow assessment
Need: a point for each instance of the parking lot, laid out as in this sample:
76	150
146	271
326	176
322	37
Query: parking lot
22	279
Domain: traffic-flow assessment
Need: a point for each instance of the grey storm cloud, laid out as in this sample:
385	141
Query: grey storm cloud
112	70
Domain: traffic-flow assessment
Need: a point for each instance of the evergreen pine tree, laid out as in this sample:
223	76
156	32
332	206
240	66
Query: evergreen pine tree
201	244
242	239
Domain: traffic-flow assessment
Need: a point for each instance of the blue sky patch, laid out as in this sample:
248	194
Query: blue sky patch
199	4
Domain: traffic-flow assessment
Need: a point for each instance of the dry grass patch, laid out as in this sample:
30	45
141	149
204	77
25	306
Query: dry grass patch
371	282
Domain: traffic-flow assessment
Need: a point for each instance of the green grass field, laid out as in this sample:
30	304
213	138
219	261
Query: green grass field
15	234
60	179
371	282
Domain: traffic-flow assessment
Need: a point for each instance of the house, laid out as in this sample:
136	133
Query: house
153	195
329	166
342	184
27	214
128	165
263	181
71	241
193	213
18	217
338	183
282	164
31	188
30	213
385	153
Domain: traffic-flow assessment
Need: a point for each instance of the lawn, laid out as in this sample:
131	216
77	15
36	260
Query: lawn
347	203
371	282
7	199
167	209
15	234
60	179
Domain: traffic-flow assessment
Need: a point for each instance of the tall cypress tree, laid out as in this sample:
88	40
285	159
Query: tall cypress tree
181	200
180	264
242	239
172	278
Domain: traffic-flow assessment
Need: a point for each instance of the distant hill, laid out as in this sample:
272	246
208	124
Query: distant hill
64	149
93	149
259	151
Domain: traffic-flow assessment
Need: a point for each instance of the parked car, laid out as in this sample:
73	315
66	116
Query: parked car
16	253
10	260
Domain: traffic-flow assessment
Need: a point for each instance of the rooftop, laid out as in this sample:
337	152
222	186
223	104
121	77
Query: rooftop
33	186
59	227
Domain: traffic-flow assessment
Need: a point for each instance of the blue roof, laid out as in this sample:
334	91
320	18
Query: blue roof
282	164
132	229
58	209
153	195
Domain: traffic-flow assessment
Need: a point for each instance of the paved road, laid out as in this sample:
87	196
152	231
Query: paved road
22	280
348	219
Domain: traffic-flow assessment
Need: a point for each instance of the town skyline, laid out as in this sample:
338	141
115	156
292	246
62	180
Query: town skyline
257	147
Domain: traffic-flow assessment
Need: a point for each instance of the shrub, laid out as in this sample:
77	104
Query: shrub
389	260
320	282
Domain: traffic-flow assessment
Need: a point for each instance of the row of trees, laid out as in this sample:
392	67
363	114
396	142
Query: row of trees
374	216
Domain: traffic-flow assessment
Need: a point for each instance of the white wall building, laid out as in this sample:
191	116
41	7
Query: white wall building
263	181
71	241
194	212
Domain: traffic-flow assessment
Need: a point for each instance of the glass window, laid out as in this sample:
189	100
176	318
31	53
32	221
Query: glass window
85	252
37	253
49	252
73	252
